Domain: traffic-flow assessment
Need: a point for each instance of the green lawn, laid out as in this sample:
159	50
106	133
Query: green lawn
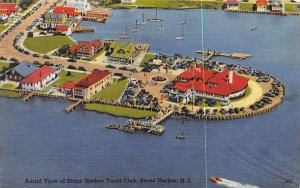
147	58
174	4
112	92
2	27
3	66
10	94
75	77
119	111
46	44
246	6
292	7
8	86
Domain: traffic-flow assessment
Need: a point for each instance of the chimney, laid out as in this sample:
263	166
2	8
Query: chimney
230	77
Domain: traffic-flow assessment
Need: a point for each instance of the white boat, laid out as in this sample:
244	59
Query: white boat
253	28
181	37
143	20
126	34
185	20
161	27
156	19
136	29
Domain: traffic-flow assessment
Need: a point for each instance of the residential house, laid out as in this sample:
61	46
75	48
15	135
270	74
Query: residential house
71	12
85	50
19	72
92	84
51	20
39	79
67	88
261	5
203	83
63	29
11	7
80	5
232	4
276	7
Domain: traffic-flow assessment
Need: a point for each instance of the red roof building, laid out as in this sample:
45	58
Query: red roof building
62	28
11	7
39	79
69	11
261	5
206	83
85	50
6	11
232	4
92	84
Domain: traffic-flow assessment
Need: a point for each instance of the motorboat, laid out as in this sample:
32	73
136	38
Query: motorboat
180	137
252	28
215	179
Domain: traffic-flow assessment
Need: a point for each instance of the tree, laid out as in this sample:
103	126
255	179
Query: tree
69	73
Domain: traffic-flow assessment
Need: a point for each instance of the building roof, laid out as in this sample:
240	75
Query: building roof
216	83
261	2
68	85
66	10
92	79
9	6
25	68
62	28
6	11
232	2
38	75
50	15
86	47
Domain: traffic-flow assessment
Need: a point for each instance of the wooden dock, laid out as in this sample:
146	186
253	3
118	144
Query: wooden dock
165	116
83	30
211	54
72	106
29	96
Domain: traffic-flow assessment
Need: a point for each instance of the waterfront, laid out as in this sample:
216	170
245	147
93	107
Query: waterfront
38	140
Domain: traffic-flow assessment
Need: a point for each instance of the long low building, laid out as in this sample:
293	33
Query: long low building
204	83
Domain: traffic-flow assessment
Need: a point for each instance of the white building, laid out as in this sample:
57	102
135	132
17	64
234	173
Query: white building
80	5
128	1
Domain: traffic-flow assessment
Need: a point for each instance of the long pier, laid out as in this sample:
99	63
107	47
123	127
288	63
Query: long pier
211	54
83	30
29	96
165	116
72	106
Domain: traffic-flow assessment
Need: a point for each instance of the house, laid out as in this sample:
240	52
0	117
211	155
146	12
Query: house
67	88
80	5
199	82
3	17
39	79
232	4
85	50
19	72
92	84
128	1
71	12
125	53
276	7
261	5
51	20
11	7
63	29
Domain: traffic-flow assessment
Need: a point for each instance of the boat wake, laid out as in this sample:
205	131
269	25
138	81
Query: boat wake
233	184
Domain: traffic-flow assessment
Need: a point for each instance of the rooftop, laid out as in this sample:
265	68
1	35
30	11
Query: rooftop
25	68
92	79
122	50
38	75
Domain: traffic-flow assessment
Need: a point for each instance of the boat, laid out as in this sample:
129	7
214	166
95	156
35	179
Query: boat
126	34
181	37
184	21
132	9
180	137
215	179
143	20
113	126
252	28
161	27
156	19
157	130
136	29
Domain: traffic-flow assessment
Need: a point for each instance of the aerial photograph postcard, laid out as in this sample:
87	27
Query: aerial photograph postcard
149	93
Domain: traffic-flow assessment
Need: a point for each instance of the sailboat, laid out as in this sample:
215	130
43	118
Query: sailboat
184	21
126	34
161	27
181	37
156	19
136	29
143	20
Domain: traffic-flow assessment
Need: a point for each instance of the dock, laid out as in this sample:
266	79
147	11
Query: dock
83	30
29	96
163	117
211	54
72	106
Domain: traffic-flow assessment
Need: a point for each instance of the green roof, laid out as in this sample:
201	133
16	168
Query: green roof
122	50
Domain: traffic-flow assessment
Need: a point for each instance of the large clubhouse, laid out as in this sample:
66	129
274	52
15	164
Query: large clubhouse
203	83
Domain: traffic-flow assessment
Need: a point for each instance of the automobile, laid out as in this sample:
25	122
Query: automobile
72	60
71	67
36	55
110	66
146	70
269	94
37	63
46	57
123	68
81	68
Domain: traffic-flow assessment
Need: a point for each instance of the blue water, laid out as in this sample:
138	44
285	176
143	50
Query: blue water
39	140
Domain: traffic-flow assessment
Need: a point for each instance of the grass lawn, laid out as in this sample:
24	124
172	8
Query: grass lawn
246	6
112	92
46	44
119	111
147	58
10	94
292	7
3	66
75	77
8	86
2	27
173	4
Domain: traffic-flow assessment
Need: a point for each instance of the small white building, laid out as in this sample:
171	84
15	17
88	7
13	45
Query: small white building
128	1
39	79
80	5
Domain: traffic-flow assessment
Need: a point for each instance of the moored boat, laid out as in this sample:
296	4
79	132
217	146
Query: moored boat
113	126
